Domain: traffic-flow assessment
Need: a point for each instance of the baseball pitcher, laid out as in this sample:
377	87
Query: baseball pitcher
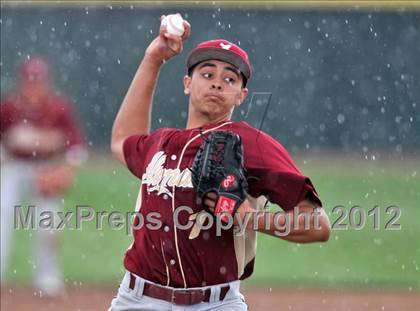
216	173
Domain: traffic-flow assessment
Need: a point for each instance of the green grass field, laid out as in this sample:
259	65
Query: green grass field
362	258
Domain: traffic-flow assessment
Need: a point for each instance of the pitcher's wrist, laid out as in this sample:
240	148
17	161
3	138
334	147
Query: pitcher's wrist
154	59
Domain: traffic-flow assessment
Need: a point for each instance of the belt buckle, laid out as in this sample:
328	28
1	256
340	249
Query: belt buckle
191	297
174	296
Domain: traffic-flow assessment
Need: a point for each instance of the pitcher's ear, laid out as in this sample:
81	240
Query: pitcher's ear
187	84
242	96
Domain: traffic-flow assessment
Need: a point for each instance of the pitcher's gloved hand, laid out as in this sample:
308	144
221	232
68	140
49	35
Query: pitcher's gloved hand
218	168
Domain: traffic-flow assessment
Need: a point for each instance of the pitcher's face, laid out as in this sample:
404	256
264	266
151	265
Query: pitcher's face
215	89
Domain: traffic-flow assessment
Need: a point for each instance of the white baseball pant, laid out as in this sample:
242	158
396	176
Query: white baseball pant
17	188
134	300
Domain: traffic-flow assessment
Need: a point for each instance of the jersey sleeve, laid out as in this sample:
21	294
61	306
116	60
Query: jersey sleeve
272	173
134	152
6	115
70	125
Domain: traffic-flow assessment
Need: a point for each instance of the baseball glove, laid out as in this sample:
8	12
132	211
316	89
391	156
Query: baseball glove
219	167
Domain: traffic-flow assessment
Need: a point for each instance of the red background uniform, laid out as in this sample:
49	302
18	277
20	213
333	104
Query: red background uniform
42	140
54	114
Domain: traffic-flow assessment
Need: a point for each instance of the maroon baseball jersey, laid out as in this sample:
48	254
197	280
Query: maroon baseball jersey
53	117
171	256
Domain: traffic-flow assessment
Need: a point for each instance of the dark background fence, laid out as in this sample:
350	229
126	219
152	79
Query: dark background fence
346	80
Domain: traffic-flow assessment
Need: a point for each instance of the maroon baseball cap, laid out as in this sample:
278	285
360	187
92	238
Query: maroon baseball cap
34	68
222	50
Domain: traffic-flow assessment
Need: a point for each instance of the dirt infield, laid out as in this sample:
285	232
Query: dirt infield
94	298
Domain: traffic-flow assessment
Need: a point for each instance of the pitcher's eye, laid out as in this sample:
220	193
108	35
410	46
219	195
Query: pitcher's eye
207	75
229	80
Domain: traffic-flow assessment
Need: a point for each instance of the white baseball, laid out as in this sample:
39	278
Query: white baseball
174	24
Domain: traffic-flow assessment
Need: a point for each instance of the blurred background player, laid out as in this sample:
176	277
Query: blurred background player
41	143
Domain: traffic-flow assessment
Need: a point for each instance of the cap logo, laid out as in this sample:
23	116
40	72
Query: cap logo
225	46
